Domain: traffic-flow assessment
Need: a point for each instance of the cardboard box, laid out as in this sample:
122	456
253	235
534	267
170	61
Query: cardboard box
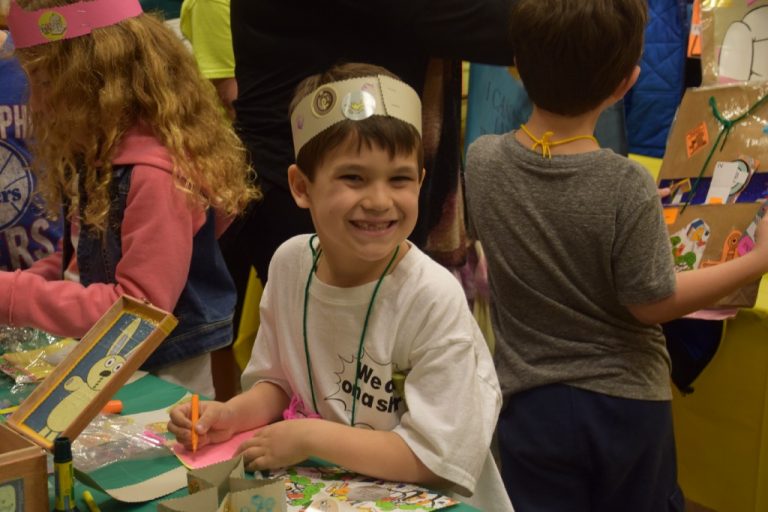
717	139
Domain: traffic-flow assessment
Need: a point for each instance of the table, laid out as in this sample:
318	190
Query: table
146	394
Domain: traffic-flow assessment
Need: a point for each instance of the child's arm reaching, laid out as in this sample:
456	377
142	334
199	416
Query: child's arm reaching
697	289
379	454
260	405
156	243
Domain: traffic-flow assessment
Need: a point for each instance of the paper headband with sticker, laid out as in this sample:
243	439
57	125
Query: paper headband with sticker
49	24
354	99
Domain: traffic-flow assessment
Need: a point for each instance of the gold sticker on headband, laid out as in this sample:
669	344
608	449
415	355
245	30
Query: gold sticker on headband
358	105
323	102
52	25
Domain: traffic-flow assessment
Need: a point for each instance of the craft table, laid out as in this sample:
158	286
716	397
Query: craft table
145	394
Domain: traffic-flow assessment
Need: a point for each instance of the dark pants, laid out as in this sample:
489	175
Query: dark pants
252	239
571	450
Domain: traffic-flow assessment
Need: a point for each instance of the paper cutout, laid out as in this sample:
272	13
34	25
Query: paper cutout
334	489
678	190
713	314
744	50
688	245
211	453
694	38
747	241
724	178
150	489
740	177
696	139
729	249
746	167
670	215
223	487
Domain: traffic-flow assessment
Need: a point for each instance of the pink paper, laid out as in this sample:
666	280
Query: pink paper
211	453
713	314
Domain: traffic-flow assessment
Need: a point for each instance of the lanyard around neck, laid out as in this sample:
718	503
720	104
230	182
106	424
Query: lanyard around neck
315	258
546	144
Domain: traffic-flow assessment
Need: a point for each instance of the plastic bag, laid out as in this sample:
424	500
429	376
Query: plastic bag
110	438
30	355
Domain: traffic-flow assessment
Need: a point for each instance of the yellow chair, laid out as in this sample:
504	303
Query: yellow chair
249	322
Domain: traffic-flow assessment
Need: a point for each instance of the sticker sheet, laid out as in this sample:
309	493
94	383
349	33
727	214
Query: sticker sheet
334	489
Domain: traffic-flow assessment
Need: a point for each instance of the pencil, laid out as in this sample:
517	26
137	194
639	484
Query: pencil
195	416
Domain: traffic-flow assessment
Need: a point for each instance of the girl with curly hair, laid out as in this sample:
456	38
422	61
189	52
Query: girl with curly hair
132	148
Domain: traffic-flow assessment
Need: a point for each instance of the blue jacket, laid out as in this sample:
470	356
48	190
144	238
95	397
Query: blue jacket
206	305
652	103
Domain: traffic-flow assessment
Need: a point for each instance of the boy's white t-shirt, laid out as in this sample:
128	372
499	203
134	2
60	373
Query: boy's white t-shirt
420	324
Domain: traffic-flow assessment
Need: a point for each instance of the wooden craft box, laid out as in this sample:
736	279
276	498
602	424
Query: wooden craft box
127	333
23	475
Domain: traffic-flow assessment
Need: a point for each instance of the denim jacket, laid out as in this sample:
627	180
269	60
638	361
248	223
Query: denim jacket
206	305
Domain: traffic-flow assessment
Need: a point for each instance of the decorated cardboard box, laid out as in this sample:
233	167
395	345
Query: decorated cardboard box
224	487
715	165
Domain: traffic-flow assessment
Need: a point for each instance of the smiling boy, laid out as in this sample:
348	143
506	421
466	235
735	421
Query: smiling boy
348	309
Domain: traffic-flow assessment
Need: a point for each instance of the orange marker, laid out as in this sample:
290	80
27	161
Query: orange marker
113	407
194	416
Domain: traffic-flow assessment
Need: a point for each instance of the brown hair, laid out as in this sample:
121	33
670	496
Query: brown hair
395	136
573	54
99	86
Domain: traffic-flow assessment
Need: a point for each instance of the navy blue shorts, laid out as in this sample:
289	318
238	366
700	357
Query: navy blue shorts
565	449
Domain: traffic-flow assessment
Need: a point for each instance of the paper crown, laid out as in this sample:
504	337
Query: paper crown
354	99
49	24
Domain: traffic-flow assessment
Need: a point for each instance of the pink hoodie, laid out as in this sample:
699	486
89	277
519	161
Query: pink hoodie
156	234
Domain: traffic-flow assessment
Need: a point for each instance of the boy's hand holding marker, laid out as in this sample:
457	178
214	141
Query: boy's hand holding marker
213	424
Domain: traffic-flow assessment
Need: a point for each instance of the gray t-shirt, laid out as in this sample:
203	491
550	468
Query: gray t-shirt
569	242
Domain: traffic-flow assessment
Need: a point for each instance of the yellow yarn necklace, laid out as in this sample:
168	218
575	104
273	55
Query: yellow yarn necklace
546	144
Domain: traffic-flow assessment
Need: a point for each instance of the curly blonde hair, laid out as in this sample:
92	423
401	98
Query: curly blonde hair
88	91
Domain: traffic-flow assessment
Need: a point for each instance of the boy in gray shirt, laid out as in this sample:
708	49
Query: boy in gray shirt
581	274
